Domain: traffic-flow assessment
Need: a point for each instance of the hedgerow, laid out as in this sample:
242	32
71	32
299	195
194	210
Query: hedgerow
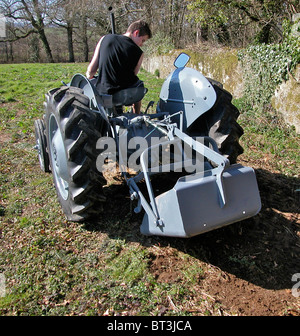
265	66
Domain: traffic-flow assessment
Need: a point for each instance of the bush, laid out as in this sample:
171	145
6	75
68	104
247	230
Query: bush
159	44
266	66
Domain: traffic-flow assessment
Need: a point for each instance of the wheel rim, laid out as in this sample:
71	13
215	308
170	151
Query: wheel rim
39	145
38	148
58	158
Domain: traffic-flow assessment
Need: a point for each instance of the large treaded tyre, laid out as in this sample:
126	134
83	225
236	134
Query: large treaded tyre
72	131
41	145
220	123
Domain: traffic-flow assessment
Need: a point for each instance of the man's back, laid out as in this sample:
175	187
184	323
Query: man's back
118	58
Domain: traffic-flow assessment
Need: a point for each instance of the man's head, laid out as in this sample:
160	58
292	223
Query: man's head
139	32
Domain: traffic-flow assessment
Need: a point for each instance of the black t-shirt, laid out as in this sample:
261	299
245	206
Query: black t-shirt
118	58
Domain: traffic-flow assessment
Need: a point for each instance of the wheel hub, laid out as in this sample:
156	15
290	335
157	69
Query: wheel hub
58	158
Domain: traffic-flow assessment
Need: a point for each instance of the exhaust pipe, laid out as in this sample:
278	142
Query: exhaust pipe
112	20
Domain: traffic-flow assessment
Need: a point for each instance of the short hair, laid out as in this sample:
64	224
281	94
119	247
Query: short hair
141	26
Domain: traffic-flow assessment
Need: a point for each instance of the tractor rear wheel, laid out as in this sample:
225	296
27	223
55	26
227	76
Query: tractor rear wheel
220	123
72	131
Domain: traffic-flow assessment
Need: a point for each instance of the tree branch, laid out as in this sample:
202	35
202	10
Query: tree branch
16	38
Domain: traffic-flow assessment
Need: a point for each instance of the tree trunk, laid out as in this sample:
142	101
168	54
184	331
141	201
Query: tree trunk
38	24
34	49
70	43
85	38
264	35
44	40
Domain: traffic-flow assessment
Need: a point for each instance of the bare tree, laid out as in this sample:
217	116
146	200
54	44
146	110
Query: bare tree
30	17
64	15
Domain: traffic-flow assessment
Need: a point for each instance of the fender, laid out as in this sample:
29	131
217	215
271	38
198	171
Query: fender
96	101
187	90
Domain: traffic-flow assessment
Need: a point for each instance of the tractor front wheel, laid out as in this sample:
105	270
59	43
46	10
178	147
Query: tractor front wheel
40	139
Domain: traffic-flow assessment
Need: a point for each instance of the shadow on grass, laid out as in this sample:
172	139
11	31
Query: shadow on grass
263	250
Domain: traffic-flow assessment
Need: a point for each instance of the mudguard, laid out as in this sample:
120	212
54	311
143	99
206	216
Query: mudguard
186	90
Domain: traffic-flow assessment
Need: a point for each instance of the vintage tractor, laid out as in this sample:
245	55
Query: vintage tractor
193	131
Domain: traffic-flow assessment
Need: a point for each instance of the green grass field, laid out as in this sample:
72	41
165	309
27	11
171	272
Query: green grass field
54	267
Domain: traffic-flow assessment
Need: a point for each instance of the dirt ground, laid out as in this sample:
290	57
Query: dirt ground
250	264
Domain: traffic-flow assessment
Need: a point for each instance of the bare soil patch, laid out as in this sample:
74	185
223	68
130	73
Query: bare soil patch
248	266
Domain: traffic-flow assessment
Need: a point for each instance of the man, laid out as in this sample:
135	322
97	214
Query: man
119	58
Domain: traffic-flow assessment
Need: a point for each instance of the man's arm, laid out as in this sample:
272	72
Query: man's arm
137	68
93	66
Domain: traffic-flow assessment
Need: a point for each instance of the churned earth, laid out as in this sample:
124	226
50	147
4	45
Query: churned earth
248	266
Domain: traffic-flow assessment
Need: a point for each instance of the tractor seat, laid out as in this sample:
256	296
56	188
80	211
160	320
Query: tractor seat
128	96
125	97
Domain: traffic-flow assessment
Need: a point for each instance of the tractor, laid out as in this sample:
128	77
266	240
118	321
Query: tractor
193	131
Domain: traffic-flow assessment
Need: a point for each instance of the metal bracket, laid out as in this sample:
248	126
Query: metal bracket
212	155
174	134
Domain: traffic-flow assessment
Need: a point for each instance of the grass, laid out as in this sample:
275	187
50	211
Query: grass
268	138
54	267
